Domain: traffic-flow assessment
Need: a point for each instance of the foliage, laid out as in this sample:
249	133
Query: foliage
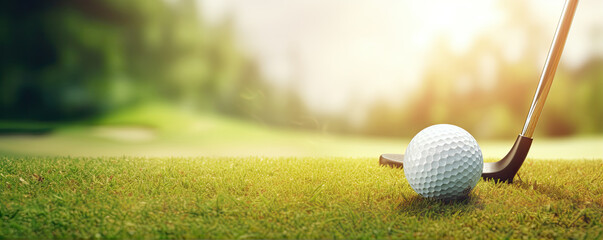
489	94
572	107
66	59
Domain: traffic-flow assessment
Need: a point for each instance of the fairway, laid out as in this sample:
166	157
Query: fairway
158	130
255	197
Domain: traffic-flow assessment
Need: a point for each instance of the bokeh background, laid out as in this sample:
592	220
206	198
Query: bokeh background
235	77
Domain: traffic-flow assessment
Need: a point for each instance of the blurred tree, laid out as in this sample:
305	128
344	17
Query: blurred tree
588	93
69	59
62	59
385	119
488	91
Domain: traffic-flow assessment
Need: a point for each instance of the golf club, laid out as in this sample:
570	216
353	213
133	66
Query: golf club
506	169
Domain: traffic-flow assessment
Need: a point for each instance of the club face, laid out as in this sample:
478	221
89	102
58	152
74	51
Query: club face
506	169
392	160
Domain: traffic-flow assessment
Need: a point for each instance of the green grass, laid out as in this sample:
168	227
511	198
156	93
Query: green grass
154	171
159	130
255	197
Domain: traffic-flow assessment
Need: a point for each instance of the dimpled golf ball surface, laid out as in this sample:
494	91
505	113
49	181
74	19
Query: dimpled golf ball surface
443	161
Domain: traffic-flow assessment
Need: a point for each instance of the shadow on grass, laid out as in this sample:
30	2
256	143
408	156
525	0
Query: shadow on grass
430	208
551	191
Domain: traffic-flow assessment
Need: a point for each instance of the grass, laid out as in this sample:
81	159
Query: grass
154	171
255	197
158	130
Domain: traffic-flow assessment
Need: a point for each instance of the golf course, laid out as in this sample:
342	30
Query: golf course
267	119
76	182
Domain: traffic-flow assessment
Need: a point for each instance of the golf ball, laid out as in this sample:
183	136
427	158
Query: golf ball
443	161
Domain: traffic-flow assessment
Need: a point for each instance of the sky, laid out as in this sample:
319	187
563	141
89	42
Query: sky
345	53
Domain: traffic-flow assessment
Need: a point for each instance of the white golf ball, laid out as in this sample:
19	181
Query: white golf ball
443	161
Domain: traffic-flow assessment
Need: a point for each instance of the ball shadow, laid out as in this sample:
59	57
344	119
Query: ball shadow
431	208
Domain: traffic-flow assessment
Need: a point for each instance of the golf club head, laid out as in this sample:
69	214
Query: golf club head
392	160
500	171
506	169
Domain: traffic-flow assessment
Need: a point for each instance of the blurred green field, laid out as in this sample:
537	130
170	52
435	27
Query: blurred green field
160	130
275	198
157	130
155	171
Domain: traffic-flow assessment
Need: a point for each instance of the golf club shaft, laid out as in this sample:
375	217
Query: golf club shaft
550	66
